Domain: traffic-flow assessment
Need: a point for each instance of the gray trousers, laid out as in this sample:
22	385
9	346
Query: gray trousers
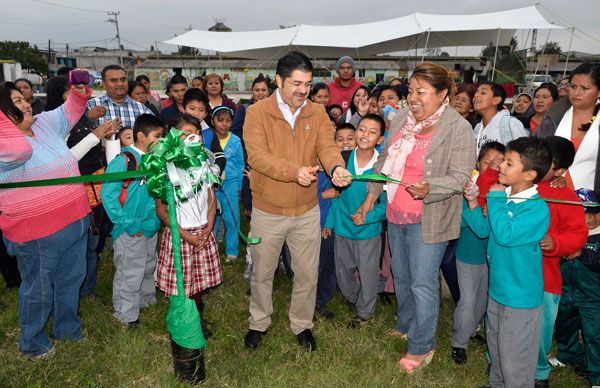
361	256
473	285
513	338
133	286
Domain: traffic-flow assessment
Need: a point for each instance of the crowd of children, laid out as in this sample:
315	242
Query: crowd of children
527	262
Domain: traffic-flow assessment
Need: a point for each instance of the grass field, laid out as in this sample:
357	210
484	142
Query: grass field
112	356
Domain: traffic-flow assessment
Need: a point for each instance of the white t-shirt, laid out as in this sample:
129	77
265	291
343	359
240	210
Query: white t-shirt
361	170
492	131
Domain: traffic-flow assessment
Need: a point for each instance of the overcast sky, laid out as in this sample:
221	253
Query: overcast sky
142	22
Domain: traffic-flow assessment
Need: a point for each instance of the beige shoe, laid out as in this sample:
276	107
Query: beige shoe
397	334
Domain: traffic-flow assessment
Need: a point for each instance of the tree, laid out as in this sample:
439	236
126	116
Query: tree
29	57
550	48
508	62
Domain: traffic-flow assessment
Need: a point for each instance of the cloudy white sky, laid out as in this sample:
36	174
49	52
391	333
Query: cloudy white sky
142	22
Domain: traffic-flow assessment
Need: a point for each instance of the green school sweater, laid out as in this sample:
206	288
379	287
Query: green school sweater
470	248
515	229
139	211
342	208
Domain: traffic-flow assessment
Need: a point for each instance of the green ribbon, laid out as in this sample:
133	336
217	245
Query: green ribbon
113	176
183	318
383	178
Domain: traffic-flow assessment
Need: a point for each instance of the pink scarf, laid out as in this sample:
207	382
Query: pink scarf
402	145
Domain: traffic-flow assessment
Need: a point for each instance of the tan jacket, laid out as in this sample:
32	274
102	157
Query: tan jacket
276	151
449	162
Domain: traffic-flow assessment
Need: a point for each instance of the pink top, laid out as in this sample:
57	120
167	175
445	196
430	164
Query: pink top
404	209
31	213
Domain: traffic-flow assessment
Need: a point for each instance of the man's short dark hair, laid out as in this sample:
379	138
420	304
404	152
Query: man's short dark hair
374	117
146	123
497	91
177	79
194	94
535	155
293	61
111	67
64	71
563	151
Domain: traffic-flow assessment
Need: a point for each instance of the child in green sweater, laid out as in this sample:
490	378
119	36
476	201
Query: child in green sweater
358	237
516	223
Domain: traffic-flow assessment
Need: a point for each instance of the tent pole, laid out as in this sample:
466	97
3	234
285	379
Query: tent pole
495	56
426	43
568	52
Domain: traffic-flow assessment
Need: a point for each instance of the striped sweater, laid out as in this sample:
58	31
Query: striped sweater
32	213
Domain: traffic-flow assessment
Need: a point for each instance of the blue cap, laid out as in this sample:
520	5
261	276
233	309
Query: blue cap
588	196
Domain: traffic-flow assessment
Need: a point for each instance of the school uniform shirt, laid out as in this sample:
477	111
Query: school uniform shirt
342	208
470	248
515	227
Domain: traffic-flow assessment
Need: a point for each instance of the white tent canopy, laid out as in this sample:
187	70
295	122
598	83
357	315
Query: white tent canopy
408	32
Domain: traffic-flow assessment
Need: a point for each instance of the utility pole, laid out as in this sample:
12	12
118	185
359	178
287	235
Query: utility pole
49	53
116	22
67	58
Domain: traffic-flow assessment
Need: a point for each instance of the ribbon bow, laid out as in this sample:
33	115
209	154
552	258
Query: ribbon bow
187	165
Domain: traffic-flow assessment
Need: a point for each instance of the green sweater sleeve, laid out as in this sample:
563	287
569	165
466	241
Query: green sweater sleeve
475	220
378	212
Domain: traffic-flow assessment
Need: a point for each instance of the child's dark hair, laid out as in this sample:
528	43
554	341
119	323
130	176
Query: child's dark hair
345	126
146	123
220	111
374	117
497	91
535	155
492	145
396	89
177	79
194	94
183	118
563	151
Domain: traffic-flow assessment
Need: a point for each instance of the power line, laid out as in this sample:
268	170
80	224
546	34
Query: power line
68	6
50	25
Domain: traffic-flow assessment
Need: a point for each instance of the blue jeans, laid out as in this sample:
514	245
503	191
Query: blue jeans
327	282
416	267
230	209
52	270
89	283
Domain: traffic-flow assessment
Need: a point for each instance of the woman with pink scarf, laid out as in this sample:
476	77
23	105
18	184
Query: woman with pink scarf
431	150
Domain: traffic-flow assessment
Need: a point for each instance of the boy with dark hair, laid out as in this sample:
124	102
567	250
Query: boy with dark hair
358	238
345	137
516	223
133	213
177	87
566	235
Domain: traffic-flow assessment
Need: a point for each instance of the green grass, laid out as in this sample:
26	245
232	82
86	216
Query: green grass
112	356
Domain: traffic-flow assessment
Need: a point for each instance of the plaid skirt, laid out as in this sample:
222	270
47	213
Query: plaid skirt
201	267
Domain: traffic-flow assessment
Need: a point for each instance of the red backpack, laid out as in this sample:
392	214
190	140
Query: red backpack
132	165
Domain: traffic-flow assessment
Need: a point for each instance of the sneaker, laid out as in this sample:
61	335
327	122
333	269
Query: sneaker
459	355
555	363
323	312
230	258
357	322
46	354
132	325
542	383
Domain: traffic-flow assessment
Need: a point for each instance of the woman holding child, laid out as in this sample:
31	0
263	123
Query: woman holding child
431	148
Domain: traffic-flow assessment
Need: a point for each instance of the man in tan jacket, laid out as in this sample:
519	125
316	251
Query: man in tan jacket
286	138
